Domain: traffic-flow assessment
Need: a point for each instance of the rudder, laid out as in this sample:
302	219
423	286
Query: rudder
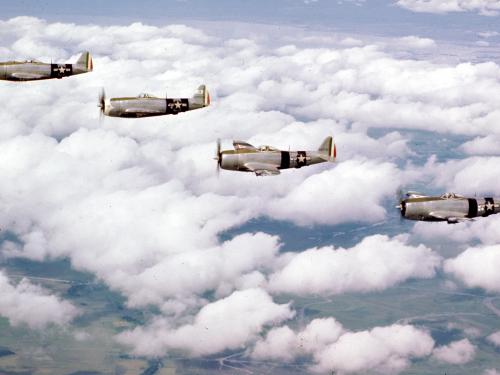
85	61
328	148
201	96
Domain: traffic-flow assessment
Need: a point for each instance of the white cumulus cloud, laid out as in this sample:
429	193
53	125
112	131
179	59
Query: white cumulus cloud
376	263
494	338
26	303
457	352
382	349
477	267
229	323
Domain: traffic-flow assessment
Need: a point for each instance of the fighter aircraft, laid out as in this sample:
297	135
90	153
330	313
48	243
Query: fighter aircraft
268	161
145	105
449	207
33	70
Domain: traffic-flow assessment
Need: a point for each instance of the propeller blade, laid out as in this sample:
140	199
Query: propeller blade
401	206
218	156
102	102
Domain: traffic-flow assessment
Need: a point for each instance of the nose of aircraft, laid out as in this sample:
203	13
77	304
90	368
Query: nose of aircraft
402	207
107	106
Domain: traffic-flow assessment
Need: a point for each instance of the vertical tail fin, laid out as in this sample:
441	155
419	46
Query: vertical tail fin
328	149
201	97
85	62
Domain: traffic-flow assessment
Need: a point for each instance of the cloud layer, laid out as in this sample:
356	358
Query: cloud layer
483	7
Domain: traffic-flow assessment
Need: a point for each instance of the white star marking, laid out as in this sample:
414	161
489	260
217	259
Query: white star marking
177	104
301	158
61	69
489	206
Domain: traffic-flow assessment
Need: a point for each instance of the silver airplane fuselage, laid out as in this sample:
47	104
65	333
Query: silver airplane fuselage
237	160
146	105
449	207
35	70
268	161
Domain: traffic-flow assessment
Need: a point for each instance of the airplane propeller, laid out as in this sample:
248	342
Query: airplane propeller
218	156
102	102
400	196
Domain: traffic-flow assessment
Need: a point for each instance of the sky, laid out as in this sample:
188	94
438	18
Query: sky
311	271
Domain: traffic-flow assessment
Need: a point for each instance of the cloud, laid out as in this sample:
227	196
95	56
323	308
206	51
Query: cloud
483	7
321	198
488	145
485	230
456	353
417	42
26	303
229	323
382	349
495	338
467	176
284	344
477	267
235	264
376	263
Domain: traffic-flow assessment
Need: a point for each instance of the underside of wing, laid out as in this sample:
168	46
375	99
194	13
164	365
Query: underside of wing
239	145
27	76
261	169
448	216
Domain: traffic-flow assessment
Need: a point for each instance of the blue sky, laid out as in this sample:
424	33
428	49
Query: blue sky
380	17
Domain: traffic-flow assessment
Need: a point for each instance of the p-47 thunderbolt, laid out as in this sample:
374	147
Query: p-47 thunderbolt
449	207
145	105
34	70
268	161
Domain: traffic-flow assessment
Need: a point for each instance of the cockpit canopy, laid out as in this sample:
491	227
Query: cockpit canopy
267	148
145	95
451	196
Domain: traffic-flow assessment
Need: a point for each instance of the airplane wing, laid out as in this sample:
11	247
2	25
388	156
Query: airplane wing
261	169
25	75
238	145
450	217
